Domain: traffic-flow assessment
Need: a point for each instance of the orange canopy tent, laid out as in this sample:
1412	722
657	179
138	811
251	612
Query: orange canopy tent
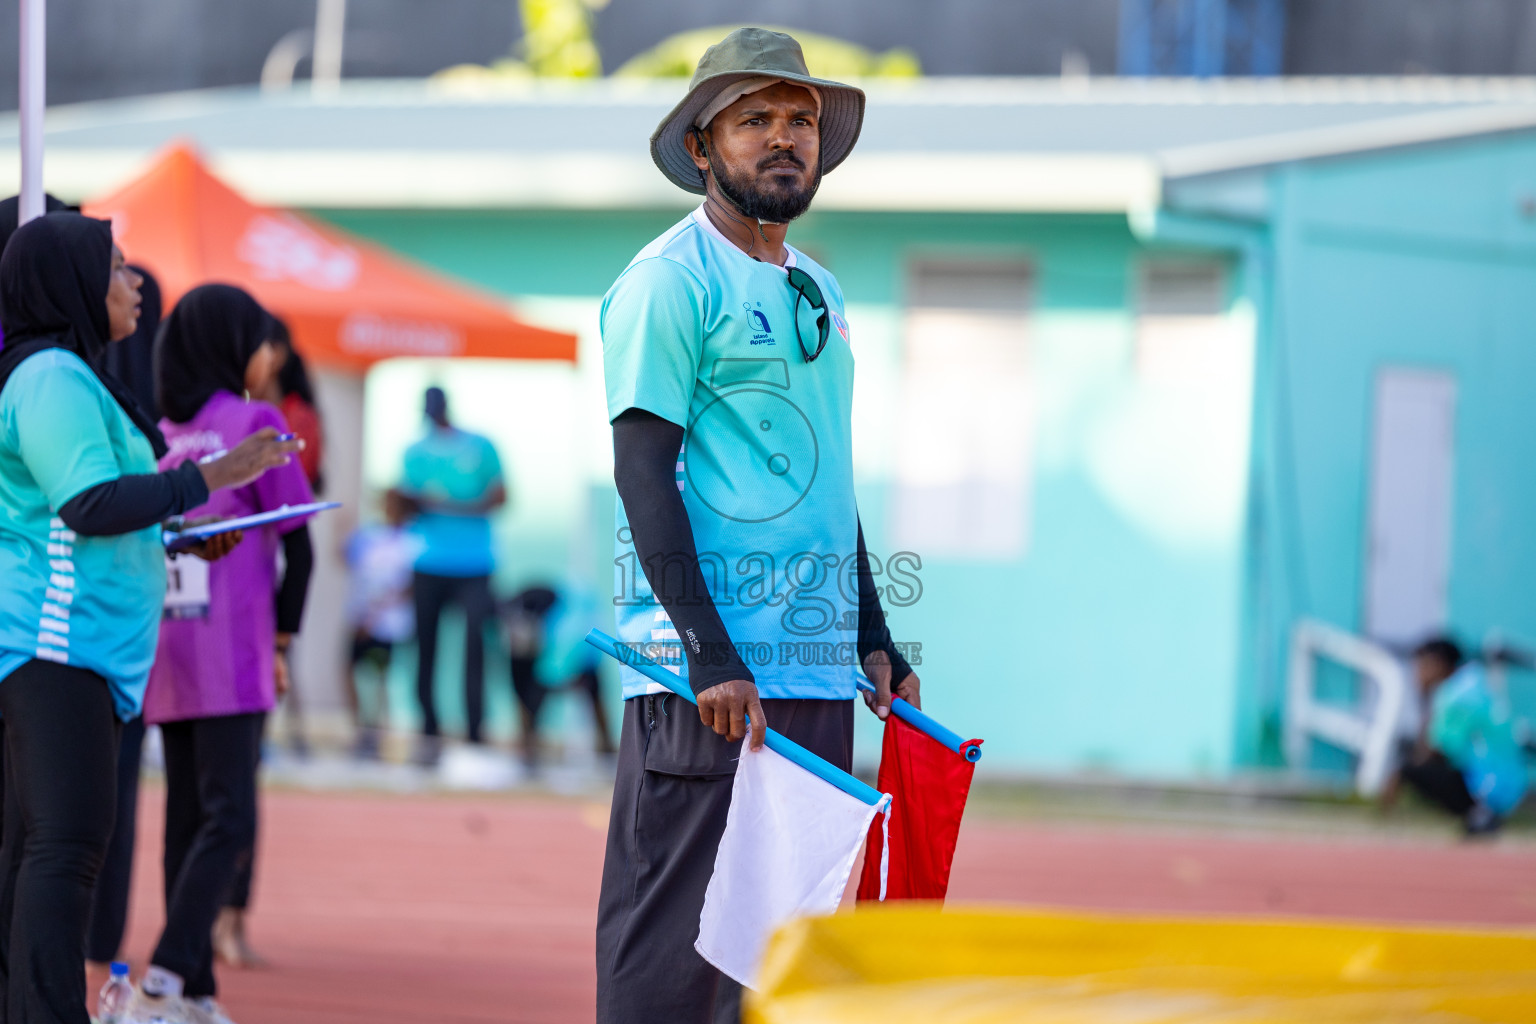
348	303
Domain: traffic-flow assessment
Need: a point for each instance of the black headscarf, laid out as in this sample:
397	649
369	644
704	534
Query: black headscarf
10	213
132	359
204	347
54	277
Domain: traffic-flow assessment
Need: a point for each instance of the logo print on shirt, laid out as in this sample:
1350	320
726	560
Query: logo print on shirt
752	431
762	333
841	325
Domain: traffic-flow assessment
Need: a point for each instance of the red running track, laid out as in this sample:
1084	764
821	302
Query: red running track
404	910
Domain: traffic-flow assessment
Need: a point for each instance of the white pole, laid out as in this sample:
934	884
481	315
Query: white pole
34	58
330	33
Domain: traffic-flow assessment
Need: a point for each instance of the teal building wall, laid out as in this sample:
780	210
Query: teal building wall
1419	257
1112	643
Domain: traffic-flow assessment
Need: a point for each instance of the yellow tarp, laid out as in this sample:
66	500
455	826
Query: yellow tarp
914	963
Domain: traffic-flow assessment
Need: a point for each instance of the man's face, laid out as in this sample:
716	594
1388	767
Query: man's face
1431	671
765	150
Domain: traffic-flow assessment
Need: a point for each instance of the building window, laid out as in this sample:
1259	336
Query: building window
1181	328
1169	452
962	477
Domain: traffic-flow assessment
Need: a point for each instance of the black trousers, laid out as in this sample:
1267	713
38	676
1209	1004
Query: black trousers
60	768
210	823
670	801
1439	782
432	594
109	906
239	895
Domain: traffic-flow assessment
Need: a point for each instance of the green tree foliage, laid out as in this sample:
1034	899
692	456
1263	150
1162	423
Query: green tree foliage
557	43
826	57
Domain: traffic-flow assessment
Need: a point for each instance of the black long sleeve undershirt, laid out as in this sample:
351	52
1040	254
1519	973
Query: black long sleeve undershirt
299	563
645	448
874	634
134	502
131	503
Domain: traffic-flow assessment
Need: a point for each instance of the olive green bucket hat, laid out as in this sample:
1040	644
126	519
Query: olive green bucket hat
749	53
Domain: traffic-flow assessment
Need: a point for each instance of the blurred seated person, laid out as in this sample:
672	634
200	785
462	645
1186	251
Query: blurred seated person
453	479
1467	760
546	632
381	557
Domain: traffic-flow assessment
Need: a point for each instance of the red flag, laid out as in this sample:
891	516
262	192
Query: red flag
929	784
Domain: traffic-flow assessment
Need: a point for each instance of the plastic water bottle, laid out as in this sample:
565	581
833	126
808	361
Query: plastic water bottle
116	994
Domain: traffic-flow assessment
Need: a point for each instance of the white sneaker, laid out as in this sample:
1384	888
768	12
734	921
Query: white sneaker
204	1010
474	767
148	1009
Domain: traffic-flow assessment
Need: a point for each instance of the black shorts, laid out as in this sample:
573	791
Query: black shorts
370	649
1440	782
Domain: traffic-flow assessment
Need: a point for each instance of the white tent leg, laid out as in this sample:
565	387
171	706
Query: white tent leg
322	647
330	35
34	62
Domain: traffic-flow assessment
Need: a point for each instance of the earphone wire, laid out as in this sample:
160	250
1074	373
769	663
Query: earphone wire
710	159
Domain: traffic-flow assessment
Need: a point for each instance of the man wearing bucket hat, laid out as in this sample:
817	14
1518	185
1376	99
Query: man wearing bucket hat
729	383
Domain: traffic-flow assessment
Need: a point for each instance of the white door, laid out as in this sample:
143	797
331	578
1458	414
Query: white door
1409	541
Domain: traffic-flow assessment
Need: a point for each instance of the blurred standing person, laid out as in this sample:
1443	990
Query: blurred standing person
82	585
381	557
217	676
454	478
295	397
130	361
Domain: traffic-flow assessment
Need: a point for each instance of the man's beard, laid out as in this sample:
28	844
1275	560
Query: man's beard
772	205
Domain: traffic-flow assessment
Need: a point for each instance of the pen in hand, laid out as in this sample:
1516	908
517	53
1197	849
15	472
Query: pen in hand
211	456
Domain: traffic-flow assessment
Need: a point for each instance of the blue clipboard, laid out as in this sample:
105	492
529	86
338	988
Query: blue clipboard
181	540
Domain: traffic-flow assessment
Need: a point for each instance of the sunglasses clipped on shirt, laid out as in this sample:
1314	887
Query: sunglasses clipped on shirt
806	288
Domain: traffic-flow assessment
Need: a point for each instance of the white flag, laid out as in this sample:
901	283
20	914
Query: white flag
790	842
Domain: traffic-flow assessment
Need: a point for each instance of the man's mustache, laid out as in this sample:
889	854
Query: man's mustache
781	160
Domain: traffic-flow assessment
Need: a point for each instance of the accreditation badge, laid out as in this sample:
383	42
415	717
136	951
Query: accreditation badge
186	588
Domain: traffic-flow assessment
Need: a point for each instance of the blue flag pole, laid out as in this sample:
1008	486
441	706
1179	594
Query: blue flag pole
776	742
968	749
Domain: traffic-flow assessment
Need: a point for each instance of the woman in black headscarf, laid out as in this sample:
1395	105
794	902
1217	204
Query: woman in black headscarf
82	580
131	362
217	676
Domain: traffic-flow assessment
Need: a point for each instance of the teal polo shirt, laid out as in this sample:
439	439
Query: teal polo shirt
702	335
91	602
452	465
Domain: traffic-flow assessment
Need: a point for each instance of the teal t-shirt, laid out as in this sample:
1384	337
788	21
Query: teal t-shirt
700	334
452	465
1475	730
92	602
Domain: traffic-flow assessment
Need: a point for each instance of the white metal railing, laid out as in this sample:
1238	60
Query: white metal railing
1368	731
